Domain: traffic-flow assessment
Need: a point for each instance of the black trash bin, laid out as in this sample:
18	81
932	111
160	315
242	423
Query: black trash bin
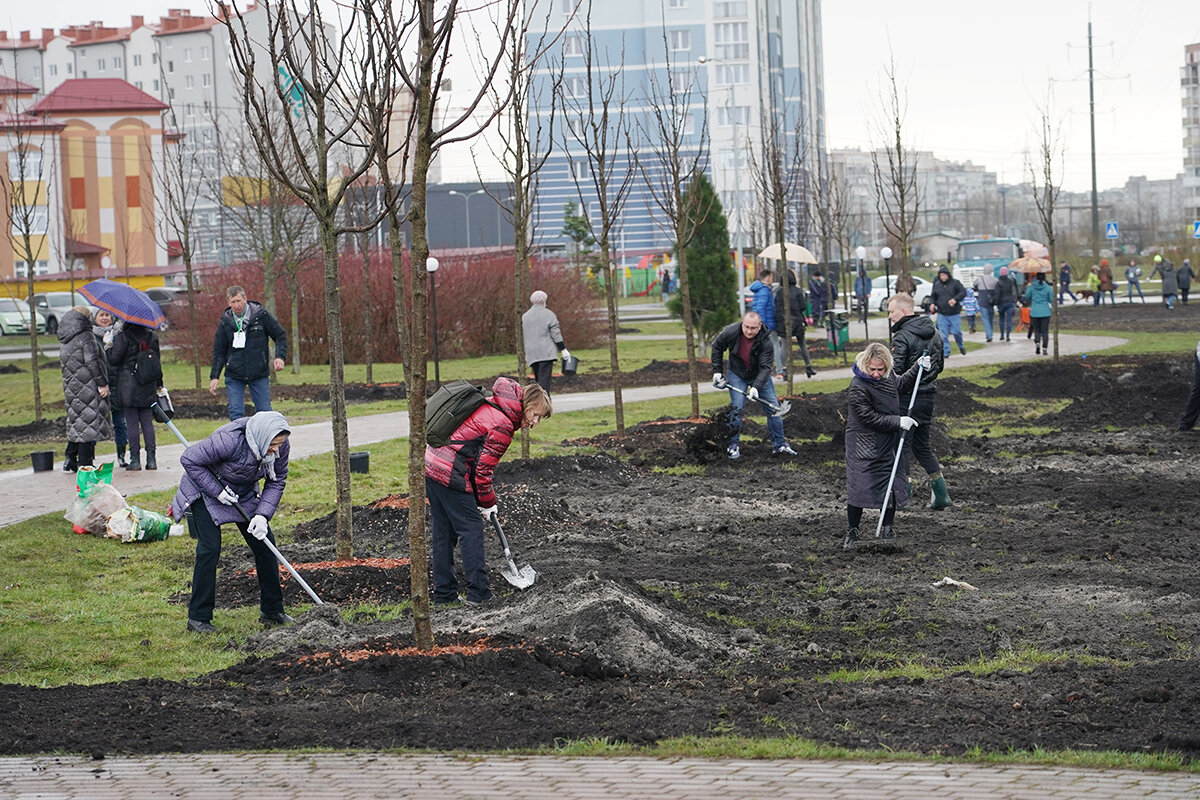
360	462
43	460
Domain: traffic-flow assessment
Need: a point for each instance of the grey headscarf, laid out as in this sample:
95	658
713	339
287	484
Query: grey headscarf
260	430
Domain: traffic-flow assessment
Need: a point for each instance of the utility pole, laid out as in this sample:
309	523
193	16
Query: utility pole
1092	117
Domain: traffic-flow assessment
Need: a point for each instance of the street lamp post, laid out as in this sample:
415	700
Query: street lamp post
431	266
466	196
861	252
737	193
886	252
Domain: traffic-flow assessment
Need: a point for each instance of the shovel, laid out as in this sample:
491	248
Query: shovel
161	416
777	411
521	577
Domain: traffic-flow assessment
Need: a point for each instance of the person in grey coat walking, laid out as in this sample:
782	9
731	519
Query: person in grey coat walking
873	426
85	388
1184	277
219	472
543	339
1170	283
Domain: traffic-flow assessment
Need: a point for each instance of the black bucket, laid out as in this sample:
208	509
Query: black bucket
43	460
570	365
360	462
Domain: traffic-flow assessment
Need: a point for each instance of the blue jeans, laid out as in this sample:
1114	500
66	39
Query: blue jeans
737	404
235	393
950	325
1065	288
1005	310
120	432
1134	284
456	521
1169	300
986	311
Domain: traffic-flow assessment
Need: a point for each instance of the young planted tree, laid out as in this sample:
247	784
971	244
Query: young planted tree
897	199
713	283
1045	189
674	156
181	177
303	109
599	139
26	194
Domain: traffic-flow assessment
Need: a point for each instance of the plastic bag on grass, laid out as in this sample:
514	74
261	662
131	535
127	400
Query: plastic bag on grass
133	524
87	477
91	509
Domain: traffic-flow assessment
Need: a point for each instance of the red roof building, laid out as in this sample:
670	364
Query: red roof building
96	95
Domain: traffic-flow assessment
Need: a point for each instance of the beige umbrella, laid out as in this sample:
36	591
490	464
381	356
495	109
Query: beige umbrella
796	253
1030	265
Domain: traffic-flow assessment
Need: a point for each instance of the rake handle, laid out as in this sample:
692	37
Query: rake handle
887	495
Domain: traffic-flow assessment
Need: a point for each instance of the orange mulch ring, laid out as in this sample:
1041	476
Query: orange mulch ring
394	501
694	420
382	563
328	657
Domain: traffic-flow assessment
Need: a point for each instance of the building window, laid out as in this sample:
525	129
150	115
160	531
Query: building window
580	170
37	218
679	40
39	268
576	87
190	110
53	70
733	9
101	64
574	45
206	79
676	3
568	6
30	170
681	80
576	126
170	93
137	84
116	62
731	40
170	66
732	74
70	68
155	84
137	59
189	82
154	58
187	54
204	53
738	115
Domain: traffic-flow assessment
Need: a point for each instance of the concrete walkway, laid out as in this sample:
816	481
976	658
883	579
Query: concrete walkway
360	776
28	494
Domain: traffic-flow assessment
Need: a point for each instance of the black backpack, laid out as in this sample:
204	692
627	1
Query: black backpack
146	367
449	407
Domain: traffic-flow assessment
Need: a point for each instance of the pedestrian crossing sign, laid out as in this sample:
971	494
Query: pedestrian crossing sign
1196	229
1111	230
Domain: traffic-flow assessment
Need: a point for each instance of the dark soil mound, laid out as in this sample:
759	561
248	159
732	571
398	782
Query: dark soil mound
1154	393
10	369
366	392
1070	377
36	431
956	397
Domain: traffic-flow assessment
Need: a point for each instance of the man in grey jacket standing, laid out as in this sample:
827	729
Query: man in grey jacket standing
543	339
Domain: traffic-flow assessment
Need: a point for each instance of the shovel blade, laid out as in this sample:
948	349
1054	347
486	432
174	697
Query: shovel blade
783	408
521	577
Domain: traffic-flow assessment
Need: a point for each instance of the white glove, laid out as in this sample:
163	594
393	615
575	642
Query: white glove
227	497
489	513
907	423
565	353
719	380
258	527
752	394
109	335
925	362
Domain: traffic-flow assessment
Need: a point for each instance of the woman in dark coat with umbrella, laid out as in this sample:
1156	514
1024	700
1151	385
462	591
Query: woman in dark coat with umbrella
135	354
85	388
873	426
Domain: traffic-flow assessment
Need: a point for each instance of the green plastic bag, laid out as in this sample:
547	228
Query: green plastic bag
135	524
87	477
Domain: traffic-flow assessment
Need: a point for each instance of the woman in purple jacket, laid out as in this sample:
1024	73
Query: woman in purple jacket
219	472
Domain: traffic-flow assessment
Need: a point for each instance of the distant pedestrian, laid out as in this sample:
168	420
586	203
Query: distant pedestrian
1041	302
105	327
1006	302
1170	283
241	348
862	293
1064	283
945	300
821	294
1093	284
543	339
665	282
1133	275
970	309
135	354
1184	278
763	303
85	388
985	293
748	380
1107	284
793	294
874	420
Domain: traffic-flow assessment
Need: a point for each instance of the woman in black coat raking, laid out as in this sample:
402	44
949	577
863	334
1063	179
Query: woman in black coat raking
136	356
873	425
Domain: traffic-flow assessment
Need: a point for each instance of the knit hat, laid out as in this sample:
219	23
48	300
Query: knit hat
538	298
1157	259
1003	271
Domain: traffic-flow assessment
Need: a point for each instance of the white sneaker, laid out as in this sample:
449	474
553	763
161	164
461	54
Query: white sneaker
784	450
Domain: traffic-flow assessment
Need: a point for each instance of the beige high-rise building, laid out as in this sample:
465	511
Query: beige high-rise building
1189	79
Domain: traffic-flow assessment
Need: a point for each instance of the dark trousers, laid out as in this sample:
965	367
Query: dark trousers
1040	327
142	418
120	434
541	373
456	521
854	515
1192	411
1183	293
918	439
208	553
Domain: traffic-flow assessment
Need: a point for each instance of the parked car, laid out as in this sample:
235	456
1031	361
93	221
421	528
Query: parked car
52	305
167	295
878	298
14	317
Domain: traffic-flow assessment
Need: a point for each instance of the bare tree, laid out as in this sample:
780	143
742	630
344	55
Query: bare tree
526	140
303	109
897	199
674	156
1045	189
600	129
26	193
180	177
359	210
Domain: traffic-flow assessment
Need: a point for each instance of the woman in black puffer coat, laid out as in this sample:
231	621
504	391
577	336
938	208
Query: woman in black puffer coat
85	388
873	425
135	354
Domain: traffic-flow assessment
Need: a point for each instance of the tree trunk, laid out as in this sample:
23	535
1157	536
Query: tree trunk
294	340
337	389
364	249
614	364
33	342
195	329
689	331
520	292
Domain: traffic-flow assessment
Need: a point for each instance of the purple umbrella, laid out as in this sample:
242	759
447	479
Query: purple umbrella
124	301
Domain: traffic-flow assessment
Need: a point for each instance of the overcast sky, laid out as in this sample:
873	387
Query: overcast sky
974	74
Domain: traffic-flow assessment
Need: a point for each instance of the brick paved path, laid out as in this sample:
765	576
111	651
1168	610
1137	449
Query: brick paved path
433	777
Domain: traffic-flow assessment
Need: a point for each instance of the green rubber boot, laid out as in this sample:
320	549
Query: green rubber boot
940	497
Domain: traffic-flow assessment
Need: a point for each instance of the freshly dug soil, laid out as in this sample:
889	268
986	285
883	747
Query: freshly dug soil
680	593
